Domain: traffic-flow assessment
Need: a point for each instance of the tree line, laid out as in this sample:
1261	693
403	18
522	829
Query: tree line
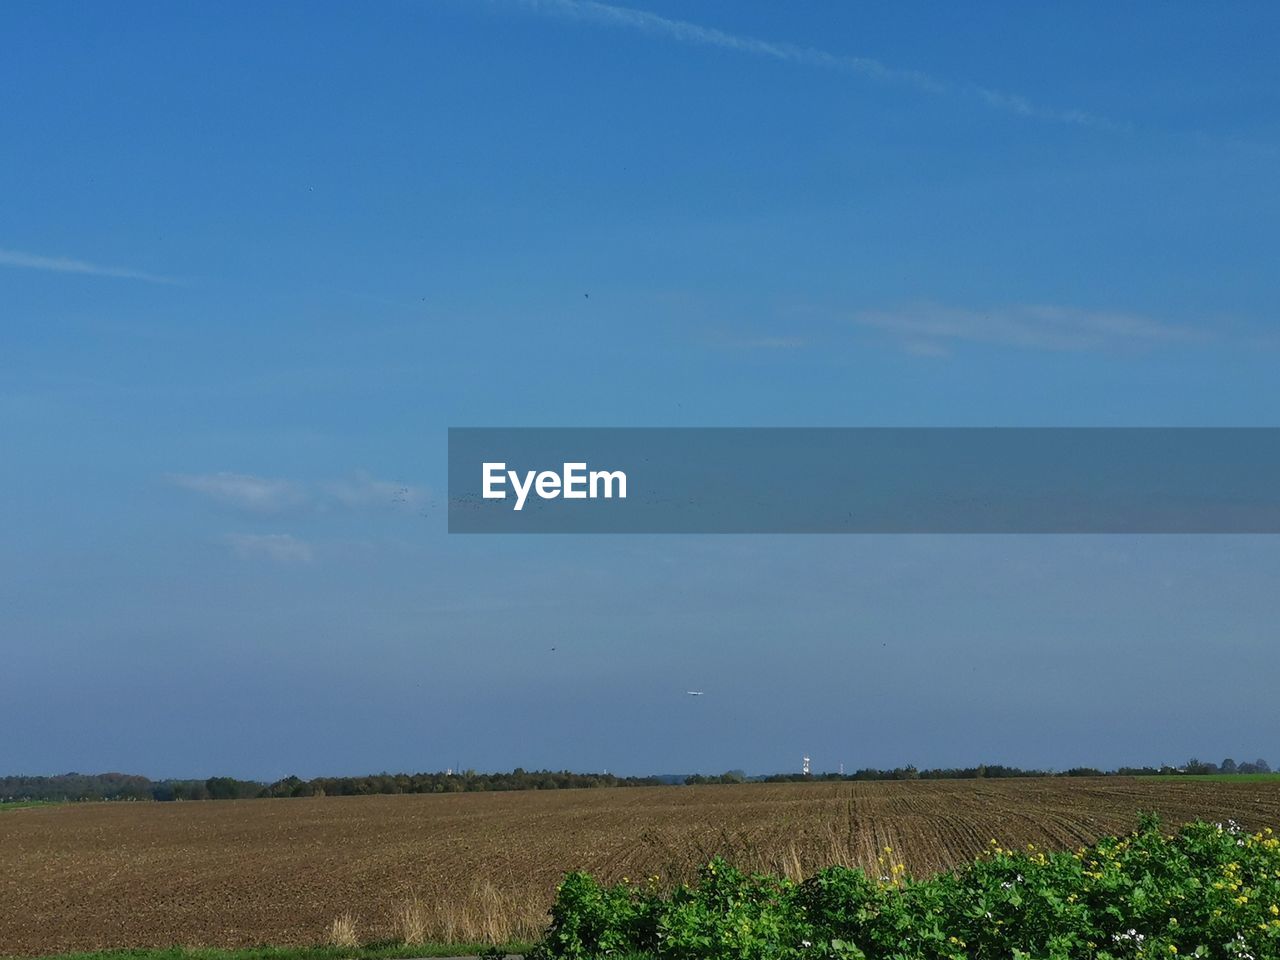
997	771
467	781
123	786
119	786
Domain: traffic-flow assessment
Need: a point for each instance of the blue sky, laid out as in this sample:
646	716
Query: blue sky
255	259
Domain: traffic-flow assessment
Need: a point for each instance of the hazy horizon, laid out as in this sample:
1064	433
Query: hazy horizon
817	771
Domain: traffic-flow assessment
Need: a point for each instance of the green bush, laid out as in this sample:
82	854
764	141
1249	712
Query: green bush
1210	890
589	920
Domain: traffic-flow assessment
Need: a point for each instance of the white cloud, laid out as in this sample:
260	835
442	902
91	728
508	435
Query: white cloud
362	491
280	547
728	341
774	343
272	495
257	494
928	328
33	261
685	32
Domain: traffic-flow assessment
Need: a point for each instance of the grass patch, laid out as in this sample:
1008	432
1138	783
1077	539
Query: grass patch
375	951
26	804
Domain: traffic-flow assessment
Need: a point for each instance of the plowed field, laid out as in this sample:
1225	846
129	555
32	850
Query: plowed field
238	873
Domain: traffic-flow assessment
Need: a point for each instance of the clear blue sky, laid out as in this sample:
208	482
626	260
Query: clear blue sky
256	258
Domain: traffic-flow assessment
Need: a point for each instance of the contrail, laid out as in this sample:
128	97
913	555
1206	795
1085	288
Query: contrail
32	261
691	33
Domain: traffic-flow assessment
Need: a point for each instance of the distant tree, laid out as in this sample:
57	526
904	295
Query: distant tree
189	789
229	788
1262	765
1228	766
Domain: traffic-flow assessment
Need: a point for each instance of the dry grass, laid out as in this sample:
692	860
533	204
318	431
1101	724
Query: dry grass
482	913
483	867
342	932
411	922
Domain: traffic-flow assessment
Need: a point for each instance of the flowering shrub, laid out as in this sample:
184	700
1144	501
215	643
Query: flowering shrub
1209	890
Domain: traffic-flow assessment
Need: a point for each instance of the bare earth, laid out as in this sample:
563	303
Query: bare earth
240	873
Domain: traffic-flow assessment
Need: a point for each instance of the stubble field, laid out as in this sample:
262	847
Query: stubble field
484	866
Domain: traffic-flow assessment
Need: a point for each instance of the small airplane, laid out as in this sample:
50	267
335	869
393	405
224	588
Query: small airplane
694	693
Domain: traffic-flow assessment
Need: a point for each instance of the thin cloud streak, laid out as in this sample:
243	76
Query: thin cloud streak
279	547
244	491
691	33
33	261
271	495
927	328
363	491
686	32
